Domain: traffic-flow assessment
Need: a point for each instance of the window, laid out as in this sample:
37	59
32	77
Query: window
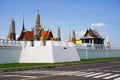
86	40
64	47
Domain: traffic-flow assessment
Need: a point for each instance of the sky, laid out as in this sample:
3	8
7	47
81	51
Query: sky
100	15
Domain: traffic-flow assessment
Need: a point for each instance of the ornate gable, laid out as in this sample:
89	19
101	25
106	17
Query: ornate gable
46	35
87	34
26	36
29	35
92	33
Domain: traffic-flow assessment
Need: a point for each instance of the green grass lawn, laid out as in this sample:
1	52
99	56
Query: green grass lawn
28	66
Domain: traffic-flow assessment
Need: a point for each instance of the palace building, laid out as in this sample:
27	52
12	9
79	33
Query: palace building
92	37
37	33
40	46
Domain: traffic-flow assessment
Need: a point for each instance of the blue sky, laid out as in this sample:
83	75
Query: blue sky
101	15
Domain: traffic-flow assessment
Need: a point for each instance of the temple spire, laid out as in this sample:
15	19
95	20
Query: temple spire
38	20
23	27
36	33
58	34
108	41
73	36
12	34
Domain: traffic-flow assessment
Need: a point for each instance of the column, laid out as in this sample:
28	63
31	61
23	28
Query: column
92	41
83	40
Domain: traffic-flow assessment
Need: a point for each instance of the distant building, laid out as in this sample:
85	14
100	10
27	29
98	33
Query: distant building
30	46
92	37
38	32
78	41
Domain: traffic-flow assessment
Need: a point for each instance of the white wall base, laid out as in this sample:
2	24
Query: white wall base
52	52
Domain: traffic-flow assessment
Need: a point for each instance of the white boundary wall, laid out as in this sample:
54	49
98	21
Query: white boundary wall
52	52
24	52
89	53
9	51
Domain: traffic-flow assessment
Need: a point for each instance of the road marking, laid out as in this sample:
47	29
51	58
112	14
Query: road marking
112	76
52	73
98	70
101	67
89	69
76	73
39	72
115	71
43	76
93	74
63	73
117	78
106	70
102	75
18	76
85	74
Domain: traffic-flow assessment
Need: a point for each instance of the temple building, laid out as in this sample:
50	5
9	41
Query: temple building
92	37
37	33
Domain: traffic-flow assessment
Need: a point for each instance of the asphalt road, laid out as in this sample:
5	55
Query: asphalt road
96	71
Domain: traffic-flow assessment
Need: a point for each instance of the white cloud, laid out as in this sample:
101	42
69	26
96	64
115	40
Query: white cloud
97	24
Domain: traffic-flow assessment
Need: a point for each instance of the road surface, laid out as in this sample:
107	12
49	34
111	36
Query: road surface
95	71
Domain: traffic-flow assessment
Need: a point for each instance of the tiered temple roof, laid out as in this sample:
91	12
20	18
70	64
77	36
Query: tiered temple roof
29	35
93	37
90	33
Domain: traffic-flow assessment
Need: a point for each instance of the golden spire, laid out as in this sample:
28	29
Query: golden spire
11	33
38	20
42	38
69	36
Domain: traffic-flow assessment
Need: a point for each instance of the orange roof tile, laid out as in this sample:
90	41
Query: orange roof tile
29	33
44	33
